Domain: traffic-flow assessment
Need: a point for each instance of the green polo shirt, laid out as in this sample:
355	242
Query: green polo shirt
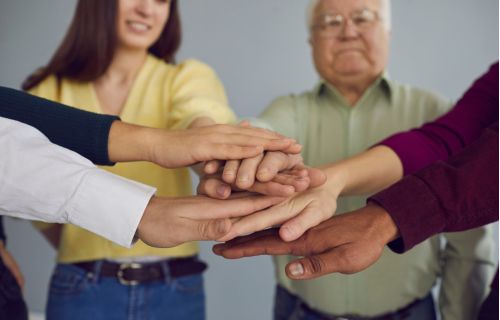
330	130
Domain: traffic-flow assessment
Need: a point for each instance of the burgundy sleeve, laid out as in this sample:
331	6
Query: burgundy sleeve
438	140
453	195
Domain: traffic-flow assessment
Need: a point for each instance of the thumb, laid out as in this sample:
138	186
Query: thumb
213	229
317	177
309	267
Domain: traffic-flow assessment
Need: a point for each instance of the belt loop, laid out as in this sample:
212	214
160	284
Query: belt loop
97	270
166	271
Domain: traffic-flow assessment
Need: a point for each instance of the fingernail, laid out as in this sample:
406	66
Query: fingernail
263	173
217	249
222	190
296	269
242	178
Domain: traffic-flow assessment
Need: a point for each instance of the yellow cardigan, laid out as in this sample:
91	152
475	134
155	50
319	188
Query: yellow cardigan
162	96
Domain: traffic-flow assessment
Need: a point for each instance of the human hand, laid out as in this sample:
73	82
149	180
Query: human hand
263	167
296	214
11	264
179	148
347	243
168	222
275	173
284	184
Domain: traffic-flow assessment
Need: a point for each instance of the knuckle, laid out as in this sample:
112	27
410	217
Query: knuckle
203	230
317	265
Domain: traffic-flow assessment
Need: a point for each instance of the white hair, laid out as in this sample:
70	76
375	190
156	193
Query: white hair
385	13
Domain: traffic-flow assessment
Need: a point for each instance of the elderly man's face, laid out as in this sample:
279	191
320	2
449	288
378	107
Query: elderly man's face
349	41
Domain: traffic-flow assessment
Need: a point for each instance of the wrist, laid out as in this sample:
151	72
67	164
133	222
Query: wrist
128	142
336	181
154	142
147	217
382	224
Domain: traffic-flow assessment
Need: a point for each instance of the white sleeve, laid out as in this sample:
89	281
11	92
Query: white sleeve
42	181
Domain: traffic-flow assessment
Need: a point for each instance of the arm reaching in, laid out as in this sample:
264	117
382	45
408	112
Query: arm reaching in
345	243
180	148
443	197
168	222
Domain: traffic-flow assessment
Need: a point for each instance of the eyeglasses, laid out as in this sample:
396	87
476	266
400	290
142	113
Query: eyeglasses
330	24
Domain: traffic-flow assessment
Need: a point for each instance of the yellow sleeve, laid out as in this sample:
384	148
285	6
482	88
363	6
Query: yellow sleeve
196	92
46	89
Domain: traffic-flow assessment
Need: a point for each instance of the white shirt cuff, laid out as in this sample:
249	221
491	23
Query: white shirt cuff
117	215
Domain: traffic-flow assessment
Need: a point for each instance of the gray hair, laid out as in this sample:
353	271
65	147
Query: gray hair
385	12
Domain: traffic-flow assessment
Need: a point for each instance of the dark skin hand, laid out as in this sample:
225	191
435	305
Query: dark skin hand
346	243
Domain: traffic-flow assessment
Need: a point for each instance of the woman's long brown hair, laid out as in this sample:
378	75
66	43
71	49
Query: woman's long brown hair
89	45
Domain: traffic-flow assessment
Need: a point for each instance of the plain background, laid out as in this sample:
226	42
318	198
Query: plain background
259	48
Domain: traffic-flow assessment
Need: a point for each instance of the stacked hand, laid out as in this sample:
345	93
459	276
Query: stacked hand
346	243
168	222
275	173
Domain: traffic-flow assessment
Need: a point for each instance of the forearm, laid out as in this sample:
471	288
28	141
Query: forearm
366	173
128	142
83	132
446	196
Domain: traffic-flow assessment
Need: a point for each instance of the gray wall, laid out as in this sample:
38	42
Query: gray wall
260	51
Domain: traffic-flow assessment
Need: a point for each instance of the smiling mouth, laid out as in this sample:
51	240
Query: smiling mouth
138	26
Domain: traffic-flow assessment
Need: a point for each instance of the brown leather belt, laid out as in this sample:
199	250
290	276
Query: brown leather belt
137	273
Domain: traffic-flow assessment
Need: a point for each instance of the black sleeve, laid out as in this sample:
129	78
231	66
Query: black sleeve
2	232
84	132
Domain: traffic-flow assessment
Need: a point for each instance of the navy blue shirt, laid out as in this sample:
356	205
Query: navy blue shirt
83	132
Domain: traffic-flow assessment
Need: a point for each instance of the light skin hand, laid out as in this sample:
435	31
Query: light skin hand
365	173
284	184
11	264
168	222
275	173
346	243
179	148
298	213
262	168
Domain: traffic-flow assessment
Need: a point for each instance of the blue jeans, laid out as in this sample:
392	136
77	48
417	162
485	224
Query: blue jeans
77	295
288	307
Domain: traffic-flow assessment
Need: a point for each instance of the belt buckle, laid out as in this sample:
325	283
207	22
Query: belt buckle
121	270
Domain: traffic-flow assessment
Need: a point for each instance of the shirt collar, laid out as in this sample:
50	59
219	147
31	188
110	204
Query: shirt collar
382	83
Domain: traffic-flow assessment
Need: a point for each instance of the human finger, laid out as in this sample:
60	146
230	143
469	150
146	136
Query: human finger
230	171
274	162
246	172
347	258
214	187
263	219
212	166
259	243
312	215
236	207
